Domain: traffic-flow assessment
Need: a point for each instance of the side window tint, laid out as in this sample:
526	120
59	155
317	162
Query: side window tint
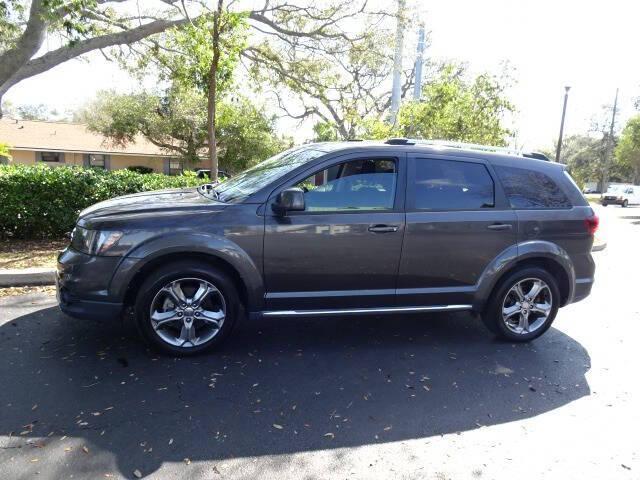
450	185
355	185
530	189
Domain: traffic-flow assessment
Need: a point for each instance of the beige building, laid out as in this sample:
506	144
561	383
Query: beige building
62	143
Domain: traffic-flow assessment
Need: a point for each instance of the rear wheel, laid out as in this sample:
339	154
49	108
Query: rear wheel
523	306
605	204
185	308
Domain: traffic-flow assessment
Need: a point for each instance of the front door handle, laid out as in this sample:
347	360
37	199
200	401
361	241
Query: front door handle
383	228
500	226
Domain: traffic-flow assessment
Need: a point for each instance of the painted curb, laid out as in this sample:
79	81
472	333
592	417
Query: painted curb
25	277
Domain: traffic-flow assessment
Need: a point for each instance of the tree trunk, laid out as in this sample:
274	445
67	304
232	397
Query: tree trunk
212	94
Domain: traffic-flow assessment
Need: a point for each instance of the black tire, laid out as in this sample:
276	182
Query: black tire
605	204
625	203
179	270
492	315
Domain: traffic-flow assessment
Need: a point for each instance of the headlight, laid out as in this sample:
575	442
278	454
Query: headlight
94	242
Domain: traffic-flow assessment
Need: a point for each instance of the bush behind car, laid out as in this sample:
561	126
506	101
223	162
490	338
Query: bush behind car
40	201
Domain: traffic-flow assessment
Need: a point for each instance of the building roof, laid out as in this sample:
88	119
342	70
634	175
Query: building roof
67	137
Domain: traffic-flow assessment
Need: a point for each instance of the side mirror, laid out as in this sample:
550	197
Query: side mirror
289	200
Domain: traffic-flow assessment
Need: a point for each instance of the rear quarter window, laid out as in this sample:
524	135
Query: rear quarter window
527	188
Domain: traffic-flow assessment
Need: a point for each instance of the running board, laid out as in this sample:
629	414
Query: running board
351	311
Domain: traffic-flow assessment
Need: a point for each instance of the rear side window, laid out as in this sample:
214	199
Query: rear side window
530	189
452	185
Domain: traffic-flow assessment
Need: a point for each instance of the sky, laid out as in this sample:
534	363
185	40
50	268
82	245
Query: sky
588	45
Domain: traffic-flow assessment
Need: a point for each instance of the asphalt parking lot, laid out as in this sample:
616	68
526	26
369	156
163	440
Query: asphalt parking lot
373	397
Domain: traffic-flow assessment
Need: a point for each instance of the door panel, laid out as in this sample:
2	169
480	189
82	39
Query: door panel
456	224
445	253
343	251
331	261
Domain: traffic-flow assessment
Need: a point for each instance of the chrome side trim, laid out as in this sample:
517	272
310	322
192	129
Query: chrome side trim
348	311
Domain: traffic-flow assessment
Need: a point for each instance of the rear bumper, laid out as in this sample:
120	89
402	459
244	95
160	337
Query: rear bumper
82	286
582	289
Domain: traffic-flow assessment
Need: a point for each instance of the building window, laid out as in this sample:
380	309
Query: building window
97	161
50	157
175	166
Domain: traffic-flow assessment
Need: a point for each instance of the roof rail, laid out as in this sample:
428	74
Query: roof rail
484	148
400	141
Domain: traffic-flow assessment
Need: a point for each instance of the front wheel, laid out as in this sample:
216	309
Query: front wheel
523	306
625	203
605	204
185	308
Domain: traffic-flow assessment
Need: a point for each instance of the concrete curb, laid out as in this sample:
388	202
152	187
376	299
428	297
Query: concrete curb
26	277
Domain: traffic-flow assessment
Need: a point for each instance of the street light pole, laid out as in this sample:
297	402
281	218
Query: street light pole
564	111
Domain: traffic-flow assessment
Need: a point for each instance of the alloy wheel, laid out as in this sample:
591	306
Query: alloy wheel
187	312
526	306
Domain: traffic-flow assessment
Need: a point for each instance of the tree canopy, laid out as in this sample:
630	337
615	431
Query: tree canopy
628	148
454	106
177	122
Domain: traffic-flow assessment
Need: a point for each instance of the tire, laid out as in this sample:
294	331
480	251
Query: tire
605	204
625	203
188	328
503	297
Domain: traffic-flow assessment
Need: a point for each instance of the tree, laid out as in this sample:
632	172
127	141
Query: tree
584	156
627	151
176	122
80	26
453	107
338	81
86	25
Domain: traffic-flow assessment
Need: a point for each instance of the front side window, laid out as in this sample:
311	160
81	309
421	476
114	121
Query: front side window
530	189
452	185
51	157
367	184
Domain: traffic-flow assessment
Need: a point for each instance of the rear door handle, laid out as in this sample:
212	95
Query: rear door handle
383	228
500	226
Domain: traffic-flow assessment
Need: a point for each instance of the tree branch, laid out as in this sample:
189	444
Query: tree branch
62	54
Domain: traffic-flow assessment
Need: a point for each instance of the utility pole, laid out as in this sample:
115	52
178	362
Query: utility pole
609	151
397	64
417	86
564	112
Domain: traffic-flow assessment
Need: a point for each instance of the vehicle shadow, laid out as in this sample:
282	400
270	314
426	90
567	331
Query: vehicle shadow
278	386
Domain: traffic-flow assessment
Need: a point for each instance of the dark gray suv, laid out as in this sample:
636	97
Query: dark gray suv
338	229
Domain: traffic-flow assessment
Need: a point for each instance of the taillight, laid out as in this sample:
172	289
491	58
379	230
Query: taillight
592	224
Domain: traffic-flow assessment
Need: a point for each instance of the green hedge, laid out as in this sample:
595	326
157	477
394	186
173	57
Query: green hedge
40	202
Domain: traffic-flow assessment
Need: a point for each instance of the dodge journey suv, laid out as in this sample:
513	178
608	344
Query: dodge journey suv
338	229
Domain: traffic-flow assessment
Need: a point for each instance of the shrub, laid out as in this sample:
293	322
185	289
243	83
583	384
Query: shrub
140	169
39	201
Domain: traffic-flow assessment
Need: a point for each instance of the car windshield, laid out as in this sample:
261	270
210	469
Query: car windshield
614	189
255	178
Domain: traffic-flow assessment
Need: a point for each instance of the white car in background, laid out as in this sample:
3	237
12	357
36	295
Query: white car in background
622	195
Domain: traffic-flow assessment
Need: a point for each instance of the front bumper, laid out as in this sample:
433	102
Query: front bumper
612	200
82	284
